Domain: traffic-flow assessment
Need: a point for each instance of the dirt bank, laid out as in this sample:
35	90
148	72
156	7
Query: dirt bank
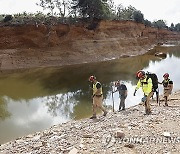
30	46
129	132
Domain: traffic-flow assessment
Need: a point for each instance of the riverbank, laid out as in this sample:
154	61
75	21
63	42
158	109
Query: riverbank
129	131
33	46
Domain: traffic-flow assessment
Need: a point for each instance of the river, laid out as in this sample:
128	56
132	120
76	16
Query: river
34	100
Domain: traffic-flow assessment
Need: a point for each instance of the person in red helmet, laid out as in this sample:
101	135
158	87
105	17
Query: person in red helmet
97	96
146	84
168	86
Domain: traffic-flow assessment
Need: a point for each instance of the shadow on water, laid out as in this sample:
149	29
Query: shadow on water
37	99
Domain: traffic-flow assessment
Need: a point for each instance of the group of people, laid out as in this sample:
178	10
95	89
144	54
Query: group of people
148	89
97	95
144	82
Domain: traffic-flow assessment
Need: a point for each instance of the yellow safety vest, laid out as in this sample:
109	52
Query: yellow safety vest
146	85
95	89
165	83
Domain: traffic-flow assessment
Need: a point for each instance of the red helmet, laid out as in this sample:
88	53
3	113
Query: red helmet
117	83
140	74
92	78
166	75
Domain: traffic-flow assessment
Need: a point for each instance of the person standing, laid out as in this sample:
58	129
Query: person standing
146	84
168	86
122	89
97	96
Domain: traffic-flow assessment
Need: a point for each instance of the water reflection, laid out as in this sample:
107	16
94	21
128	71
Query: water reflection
37	99
3	110
27	117
170	65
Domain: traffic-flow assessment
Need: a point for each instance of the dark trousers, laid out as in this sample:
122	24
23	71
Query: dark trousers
122	103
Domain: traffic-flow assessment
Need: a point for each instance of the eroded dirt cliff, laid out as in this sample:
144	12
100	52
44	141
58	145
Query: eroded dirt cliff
28	46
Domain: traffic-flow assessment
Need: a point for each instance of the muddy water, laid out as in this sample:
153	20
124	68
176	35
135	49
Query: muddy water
36	99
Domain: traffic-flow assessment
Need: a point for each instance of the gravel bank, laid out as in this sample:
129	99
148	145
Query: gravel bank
128	132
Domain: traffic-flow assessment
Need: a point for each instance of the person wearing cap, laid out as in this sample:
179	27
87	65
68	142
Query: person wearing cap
97	96
168	86
122	89
146	84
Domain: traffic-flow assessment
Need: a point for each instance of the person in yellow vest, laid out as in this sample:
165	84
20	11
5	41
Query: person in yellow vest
168	86
97	96
146	84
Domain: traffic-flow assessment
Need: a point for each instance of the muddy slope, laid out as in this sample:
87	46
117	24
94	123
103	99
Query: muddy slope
29	46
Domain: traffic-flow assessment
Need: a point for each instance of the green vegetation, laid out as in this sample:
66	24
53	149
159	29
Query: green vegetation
159	24
75	11
94	9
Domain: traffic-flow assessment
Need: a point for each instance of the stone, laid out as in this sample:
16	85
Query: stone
166	134
73	151
81	146
160	54
87	136
119	134
129	146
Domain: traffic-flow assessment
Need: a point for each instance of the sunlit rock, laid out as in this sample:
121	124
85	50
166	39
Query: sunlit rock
160	54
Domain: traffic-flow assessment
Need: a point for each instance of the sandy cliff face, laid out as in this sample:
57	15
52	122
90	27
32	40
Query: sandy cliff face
28	46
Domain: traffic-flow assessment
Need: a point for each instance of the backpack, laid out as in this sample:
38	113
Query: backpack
154	79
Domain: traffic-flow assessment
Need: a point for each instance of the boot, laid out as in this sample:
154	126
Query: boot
148	111
119	109
166	104
105	112
93	117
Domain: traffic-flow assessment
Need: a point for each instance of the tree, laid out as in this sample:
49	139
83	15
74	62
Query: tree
119	9
177	27
112	9
53	5
8	18
159	24
147	23
172	28
48	4
63	6
138	16
125	13
93	9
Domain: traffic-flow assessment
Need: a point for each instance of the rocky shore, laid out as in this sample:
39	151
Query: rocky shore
128	132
